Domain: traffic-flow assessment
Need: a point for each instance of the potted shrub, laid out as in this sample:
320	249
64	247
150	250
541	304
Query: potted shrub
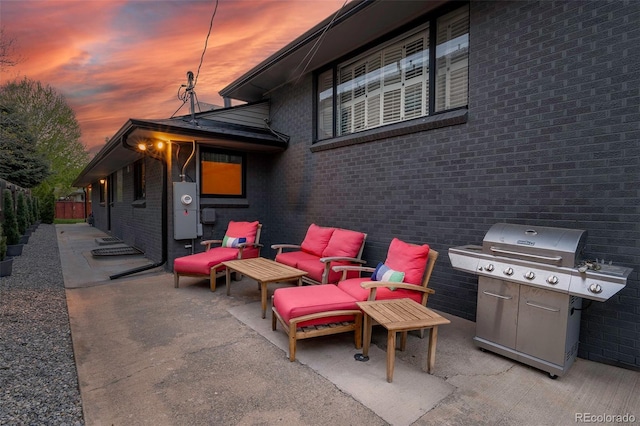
22	217
6	263
34	212
14	248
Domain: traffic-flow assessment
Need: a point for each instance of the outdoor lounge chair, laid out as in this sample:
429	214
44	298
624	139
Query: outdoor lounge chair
404	274
241	241
311	311
321	249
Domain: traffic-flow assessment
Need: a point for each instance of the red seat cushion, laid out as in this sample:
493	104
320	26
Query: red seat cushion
344	243
313	267
246	230
294	302
408	258
201	263
292	258
316	239
352	287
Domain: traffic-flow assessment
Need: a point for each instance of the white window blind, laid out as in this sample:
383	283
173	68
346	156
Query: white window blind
385	87
325	105
452	60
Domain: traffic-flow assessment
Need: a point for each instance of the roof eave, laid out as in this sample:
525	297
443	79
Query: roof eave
121	150
358	24
308	37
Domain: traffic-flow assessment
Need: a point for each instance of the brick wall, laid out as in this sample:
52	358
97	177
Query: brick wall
138	226
551	139
258	166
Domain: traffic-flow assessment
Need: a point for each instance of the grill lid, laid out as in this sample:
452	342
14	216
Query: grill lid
552	246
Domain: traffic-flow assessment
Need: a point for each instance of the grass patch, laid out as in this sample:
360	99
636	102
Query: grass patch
65	221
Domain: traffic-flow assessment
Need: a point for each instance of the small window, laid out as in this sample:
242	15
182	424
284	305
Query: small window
452	60
139	181
325	105
103	191
222	174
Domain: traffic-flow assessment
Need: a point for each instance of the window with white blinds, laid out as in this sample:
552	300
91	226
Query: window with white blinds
452	60
390	84
325	105
385	87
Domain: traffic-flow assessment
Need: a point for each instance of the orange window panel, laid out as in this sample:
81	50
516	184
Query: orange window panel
221	178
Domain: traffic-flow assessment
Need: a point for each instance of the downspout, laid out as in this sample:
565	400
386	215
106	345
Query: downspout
165	226
86	203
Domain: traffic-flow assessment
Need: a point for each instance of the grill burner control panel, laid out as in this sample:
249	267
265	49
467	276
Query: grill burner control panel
520	272
597	285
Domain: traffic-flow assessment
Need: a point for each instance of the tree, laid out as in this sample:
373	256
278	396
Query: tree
33	205
3	244
10	225
19	160
53	124
48	211
8	56
22	215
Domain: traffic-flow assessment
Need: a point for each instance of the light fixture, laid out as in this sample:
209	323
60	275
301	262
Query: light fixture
150	146
102	181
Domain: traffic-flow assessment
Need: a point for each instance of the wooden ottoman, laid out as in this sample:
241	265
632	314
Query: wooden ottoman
316	310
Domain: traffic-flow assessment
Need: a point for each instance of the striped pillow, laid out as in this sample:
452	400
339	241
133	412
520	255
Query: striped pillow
384	273
232	242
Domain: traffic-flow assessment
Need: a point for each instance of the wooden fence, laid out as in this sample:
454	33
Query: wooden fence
72	210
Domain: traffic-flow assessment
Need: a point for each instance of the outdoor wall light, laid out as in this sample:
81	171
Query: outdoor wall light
158	146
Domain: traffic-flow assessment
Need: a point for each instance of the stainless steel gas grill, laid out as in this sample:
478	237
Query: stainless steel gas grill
530	288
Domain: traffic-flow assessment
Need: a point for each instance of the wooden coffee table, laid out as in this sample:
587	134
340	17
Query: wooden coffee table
400	315
264	271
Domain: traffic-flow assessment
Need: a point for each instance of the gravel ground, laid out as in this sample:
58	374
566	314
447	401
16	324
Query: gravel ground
38	377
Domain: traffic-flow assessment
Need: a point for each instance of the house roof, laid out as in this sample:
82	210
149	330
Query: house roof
355	25
211	128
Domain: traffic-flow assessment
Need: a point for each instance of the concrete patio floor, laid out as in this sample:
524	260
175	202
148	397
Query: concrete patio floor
148	353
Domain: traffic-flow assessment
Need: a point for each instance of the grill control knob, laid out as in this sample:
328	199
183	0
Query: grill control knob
553	280
530	275
508	272
595	288
489	267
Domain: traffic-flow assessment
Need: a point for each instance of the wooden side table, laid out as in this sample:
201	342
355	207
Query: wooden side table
400	315
264	271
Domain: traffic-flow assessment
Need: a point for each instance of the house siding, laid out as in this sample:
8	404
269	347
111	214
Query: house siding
551	139
247	115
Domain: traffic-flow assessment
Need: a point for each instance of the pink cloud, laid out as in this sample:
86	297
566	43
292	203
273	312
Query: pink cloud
114	60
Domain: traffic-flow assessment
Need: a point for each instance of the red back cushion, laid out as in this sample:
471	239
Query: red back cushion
316	239
408	258
344	243
247	230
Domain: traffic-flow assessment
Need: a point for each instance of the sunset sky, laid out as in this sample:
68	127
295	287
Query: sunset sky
119	59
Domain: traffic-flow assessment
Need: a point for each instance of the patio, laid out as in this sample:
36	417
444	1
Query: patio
147	352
